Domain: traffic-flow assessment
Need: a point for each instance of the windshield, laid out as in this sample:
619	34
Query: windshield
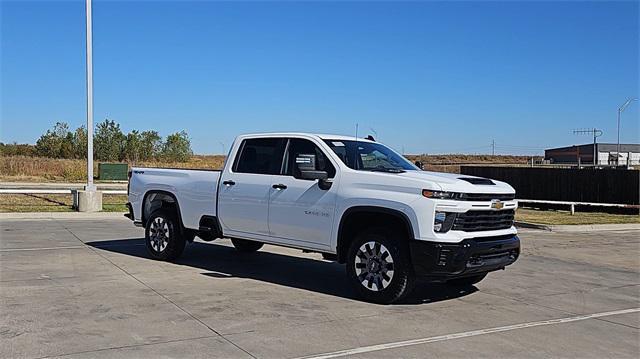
368	156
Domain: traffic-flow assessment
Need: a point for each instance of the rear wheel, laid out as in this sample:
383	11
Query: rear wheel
379	268
467	281
245	246
163	236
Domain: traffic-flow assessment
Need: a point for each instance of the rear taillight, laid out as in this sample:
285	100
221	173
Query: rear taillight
128	181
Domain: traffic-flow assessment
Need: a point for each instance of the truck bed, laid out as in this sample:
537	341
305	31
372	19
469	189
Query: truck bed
195	191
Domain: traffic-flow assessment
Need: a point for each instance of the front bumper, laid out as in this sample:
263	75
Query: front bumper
469	257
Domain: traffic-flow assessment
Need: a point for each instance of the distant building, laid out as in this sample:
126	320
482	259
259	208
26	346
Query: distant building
606	154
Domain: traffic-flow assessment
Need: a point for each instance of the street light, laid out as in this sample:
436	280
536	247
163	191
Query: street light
620	110
90	186
89	199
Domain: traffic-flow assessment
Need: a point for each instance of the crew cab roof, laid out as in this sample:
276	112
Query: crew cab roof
318	135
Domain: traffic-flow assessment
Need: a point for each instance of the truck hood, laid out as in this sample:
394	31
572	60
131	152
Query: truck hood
453	182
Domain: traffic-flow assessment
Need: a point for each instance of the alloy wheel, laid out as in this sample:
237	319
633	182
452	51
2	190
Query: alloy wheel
159	234
374	266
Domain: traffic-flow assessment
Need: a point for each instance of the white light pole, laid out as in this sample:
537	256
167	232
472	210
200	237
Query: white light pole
89	199
90	186
620	110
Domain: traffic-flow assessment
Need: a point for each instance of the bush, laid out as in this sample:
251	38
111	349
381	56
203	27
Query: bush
109	142
177	147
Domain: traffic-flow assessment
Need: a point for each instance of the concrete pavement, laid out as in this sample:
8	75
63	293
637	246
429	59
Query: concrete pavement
86	289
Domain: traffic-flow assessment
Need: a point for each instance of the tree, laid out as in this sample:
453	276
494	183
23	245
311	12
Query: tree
133	146
151	145
79	141
54	142
15	149
177	147
109	141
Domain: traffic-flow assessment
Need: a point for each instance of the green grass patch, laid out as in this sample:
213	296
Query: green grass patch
555	217
54	203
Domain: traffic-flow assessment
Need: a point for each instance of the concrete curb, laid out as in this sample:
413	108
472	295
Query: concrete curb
62	215
62	185
542	227
579	227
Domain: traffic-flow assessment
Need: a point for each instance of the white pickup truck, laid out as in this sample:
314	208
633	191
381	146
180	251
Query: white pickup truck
354	200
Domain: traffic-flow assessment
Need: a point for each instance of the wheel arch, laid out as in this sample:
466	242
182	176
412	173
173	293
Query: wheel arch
147	207
352	220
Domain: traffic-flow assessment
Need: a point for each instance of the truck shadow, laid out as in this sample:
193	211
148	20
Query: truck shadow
316	275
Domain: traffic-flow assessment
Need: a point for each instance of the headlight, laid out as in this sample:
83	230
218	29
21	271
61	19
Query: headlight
439	194
443	221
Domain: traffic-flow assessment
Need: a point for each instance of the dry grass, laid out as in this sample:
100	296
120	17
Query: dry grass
54	203
451	163
460	159
554	217
39	169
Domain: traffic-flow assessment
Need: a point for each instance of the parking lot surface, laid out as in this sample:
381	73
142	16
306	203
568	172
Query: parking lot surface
86	289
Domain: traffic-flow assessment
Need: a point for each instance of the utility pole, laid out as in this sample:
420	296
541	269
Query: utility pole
89	199
620	110
90	186
595	133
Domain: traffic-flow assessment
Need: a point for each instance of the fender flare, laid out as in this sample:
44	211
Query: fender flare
369	209
159	191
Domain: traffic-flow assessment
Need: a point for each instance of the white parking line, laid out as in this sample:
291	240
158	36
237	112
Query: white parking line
38	249
439	338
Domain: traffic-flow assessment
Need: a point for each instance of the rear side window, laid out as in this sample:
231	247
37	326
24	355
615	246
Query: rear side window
261	156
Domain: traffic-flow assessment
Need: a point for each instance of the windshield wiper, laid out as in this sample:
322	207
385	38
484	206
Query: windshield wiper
388	170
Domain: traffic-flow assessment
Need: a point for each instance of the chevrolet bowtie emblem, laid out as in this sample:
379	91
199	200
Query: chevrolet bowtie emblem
497	204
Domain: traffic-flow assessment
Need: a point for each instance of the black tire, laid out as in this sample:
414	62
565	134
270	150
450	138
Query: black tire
467	281
245	246
383	263
163	235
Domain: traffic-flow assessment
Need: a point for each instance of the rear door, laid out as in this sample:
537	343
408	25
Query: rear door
245	186
299	210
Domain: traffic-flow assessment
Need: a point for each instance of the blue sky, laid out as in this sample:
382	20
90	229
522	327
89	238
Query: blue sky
428	77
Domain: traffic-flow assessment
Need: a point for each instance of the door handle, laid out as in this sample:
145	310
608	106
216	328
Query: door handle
228	183
279	186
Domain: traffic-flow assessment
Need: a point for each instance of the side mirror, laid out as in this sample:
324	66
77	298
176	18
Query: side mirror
306	167
419	164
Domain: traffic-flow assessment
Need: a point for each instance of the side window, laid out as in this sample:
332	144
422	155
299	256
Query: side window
260	155
298	146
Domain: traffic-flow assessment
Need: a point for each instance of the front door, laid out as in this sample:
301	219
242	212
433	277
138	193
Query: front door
299	210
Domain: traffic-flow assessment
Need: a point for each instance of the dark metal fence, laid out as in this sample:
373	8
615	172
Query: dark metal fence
580	185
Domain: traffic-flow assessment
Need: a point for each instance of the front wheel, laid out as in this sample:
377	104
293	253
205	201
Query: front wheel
379	268
163	237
